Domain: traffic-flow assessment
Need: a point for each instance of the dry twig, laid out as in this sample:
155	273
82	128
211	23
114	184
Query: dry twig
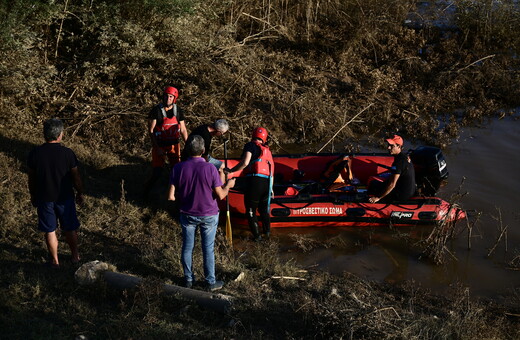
345	125
503	231
475	62
288	278
61	28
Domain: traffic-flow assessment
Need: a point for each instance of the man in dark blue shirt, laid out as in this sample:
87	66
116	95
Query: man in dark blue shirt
400	186
53	176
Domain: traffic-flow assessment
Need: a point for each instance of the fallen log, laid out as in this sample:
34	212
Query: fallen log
93	271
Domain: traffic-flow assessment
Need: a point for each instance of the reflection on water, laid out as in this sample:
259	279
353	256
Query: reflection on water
487	159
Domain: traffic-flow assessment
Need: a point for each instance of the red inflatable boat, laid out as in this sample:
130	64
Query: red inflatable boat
301	199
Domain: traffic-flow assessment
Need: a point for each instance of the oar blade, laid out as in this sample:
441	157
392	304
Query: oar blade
229	232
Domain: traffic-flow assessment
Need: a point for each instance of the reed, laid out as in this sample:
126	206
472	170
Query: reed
436	245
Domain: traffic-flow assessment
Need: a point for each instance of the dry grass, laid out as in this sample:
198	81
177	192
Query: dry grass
436	245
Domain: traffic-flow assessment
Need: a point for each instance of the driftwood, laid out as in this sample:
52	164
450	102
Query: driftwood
93	271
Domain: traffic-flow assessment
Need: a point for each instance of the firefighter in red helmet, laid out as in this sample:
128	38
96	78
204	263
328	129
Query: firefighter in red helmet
166	127
257	163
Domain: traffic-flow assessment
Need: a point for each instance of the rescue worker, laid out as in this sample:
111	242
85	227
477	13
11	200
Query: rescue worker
257	161
165	127
400	186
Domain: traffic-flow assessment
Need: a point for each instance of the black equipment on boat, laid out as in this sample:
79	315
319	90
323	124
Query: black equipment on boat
430	169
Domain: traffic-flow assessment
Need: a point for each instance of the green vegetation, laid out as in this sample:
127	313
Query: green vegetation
300	68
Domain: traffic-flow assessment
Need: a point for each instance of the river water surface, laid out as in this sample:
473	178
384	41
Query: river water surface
486	158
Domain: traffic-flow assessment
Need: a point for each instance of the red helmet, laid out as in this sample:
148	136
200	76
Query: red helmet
260	133
173	91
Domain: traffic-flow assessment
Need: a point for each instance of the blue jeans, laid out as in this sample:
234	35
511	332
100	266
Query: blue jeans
215	162
208	229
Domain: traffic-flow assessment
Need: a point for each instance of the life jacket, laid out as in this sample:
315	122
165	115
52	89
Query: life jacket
263	166
169	130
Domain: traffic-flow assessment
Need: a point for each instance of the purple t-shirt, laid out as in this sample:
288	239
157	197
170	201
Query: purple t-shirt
194	181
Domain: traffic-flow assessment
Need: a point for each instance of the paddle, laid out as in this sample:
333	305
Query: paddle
229	232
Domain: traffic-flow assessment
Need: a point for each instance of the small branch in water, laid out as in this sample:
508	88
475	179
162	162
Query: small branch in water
503	232
470	227
449	252
435	244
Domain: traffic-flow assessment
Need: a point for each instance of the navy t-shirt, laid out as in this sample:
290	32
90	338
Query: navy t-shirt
405	186
52	163
253	148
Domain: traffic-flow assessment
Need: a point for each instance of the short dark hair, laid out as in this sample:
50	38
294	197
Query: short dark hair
195	146
52	128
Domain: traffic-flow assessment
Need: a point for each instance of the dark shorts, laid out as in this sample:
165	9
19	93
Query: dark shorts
49	213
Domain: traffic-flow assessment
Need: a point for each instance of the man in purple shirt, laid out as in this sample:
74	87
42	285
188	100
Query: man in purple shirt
197	184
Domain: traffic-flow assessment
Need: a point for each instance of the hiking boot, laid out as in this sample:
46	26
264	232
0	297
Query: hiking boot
266	230
188	284
216	286
253	225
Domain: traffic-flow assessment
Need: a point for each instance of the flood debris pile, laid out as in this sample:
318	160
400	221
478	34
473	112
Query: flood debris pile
301	69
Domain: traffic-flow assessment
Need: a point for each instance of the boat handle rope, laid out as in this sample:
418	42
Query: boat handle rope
290	208
388	204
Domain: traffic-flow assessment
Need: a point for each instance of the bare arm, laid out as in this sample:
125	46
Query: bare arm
78	184
171	193
222	174
243	162
391	185
151	127
184	132
349	170
223	191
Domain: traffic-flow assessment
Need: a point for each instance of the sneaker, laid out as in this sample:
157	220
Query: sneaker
216	286
188	284
75	263
52	265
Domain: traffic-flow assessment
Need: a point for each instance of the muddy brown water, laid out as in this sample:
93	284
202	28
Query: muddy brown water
487	160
